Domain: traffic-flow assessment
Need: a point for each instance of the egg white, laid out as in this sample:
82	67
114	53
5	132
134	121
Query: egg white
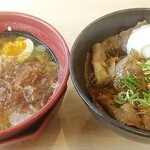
28	50
140	41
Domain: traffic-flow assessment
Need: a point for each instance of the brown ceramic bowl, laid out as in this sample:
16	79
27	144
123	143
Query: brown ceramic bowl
53	39
97	31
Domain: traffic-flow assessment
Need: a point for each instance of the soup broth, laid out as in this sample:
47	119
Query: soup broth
28	77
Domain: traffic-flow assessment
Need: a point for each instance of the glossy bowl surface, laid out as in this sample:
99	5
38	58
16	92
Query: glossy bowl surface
97	31
53	39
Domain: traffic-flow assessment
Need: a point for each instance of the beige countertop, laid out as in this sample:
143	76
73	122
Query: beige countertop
74	127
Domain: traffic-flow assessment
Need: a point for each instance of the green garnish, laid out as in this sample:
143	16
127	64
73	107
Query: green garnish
135	89
147	79
146	67
143	113
129	81
121	98
140	98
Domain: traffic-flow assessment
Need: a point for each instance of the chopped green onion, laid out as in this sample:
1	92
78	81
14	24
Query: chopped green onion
129	81
121	98
147	79
133	92
129	93
143	113
139	102
146	67
141	98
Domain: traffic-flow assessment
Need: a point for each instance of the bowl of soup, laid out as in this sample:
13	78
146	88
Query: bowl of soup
113	53
33	70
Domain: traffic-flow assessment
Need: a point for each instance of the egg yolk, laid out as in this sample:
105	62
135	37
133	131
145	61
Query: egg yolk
13	48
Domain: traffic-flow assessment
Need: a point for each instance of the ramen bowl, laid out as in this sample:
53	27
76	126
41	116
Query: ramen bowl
48	35
95	32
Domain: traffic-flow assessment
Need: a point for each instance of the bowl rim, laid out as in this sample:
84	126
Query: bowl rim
61	87
99	114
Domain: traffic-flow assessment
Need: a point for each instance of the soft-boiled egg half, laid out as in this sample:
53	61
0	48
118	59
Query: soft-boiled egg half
140	40
21	48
